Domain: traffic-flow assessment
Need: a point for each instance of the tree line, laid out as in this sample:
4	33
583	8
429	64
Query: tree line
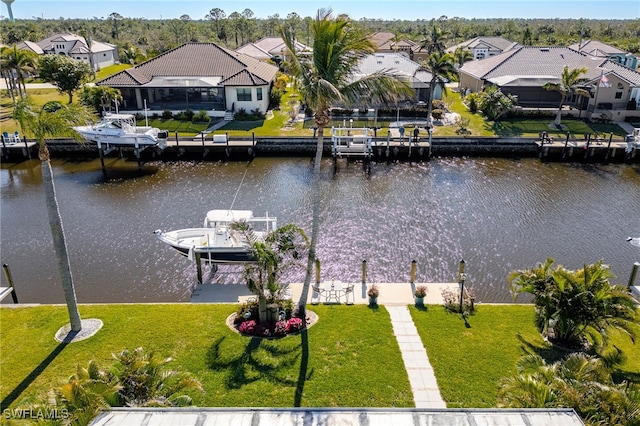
234	29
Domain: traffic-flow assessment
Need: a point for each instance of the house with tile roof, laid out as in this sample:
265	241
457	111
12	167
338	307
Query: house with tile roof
196	76
399	64
270	48
100	54
386	42
614	88
485	47
599	49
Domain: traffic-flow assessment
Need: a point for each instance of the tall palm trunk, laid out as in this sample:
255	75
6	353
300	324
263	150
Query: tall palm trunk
558	119
59	243
315	220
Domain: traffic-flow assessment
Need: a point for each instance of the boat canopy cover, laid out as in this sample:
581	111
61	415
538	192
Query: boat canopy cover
229	215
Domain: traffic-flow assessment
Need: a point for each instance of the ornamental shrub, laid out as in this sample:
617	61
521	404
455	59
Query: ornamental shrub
294	325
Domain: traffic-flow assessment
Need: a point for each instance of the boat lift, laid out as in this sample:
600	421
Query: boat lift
352	142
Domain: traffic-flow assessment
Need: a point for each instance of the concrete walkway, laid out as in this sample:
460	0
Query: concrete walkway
423	382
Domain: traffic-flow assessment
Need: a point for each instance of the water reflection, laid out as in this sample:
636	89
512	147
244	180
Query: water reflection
497	214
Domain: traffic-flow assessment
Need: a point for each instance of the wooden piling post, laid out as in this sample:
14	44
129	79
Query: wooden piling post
26	147
606	157
364	271
566	141
388	142
412	273
586	147
7	273
101	154
634	272
199	266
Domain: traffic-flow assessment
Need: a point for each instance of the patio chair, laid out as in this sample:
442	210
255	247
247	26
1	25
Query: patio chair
316	293
349	292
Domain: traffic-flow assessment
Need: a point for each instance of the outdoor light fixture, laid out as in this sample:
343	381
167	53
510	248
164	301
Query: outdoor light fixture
461	278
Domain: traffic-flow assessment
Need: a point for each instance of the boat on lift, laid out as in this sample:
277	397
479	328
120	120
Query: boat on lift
121	130
217	242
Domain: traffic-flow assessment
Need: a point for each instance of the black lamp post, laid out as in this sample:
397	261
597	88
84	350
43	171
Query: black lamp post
461	278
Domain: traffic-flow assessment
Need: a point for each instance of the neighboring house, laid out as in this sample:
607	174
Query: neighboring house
270	48
196	76
99	56
615	89
485	47
385	42
398	64
599	49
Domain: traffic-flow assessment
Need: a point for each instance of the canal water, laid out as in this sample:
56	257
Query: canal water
497	214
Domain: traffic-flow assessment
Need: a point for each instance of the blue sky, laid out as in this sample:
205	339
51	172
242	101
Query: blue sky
356	9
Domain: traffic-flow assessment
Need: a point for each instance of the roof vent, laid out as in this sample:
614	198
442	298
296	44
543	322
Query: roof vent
544	49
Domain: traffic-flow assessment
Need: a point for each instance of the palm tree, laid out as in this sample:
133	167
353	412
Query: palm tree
15	64
435	41
462	55
132	55
279	251
54	119
572	306
327	77
441	67
569	84
579	381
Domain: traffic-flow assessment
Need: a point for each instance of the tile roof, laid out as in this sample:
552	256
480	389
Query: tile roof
80	45
197	60
596	48
499	43
29	45
395	63
267	47
545	61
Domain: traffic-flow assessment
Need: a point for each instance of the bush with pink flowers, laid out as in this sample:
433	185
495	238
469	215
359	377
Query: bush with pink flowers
280	328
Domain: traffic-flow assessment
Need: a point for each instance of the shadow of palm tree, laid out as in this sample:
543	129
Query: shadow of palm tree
33	375
250	365
303	374
547	351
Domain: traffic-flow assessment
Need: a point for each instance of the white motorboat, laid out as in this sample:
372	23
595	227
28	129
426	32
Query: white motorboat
217	242
121	129
634	241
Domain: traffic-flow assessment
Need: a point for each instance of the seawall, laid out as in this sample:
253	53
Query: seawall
204	149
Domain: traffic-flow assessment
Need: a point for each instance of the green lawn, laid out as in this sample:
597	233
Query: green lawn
184	128
349	358
531	127
40	96
470	359
110	70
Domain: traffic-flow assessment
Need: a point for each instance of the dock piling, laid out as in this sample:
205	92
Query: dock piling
412	274
7	273
364	271
634	273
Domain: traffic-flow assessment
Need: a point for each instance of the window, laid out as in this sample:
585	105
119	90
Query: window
618	95
259	93
243	94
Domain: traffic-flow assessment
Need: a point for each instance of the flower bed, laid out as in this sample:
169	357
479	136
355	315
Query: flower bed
244	321
280	328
